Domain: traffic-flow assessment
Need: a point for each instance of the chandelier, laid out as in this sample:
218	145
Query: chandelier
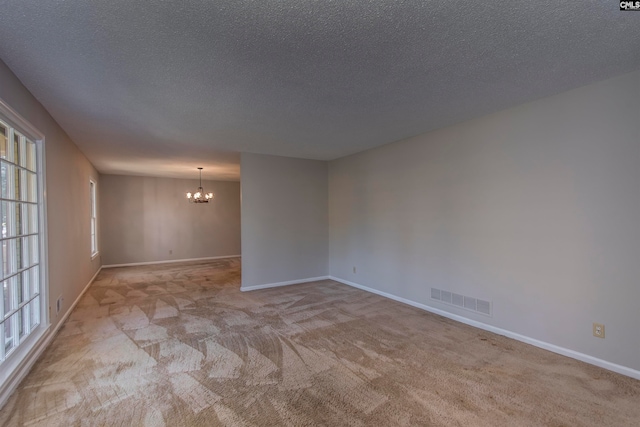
200	196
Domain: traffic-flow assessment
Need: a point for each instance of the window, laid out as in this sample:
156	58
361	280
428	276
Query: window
21	234
94	219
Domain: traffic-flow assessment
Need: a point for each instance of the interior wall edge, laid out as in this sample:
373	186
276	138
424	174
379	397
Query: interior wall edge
286	283
284	219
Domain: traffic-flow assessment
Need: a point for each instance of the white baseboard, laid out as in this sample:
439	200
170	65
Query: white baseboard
170	261
633	373
278	284
36	351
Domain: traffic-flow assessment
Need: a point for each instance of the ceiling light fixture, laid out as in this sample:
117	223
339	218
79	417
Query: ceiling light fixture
199	196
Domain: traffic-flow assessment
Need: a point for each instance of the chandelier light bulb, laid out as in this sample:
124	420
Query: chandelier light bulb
199	196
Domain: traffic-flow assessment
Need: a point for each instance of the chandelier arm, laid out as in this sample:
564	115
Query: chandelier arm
200	196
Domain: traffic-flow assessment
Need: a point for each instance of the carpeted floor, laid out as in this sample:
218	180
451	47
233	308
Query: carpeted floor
180	345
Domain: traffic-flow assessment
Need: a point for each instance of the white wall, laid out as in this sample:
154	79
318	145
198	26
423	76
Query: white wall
536	208
146	219
68	206
284	219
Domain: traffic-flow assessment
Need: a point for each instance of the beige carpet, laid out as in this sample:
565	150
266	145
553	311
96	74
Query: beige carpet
180	345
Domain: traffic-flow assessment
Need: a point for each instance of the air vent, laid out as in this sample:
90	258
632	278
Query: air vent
484	307
457	300
470	303
462	301
445	297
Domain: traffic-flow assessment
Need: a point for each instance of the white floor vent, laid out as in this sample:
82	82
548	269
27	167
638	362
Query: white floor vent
462	301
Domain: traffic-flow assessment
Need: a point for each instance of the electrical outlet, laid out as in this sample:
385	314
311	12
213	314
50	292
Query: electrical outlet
354	269
598	330
59	304
171	252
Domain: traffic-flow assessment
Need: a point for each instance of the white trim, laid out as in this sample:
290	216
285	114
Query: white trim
170	261
93	223
25	360
18	364
20	122
537	343
44	234
34	354
278	284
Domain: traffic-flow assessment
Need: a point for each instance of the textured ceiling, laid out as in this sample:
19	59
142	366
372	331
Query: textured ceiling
160	87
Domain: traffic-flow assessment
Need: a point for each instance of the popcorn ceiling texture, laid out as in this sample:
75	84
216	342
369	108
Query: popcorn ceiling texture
159	87
180	345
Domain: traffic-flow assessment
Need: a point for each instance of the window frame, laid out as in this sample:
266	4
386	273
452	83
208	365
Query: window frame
24	354
93	226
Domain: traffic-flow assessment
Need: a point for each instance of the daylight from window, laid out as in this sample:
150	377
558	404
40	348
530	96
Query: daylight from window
94	219
20	239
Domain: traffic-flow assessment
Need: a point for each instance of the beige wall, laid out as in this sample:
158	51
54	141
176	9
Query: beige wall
149	219
284	219
68	207
536	208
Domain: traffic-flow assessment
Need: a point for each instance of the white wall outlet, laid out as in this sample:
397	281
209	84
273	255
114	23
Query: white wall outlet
354	269
598	330
59	304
